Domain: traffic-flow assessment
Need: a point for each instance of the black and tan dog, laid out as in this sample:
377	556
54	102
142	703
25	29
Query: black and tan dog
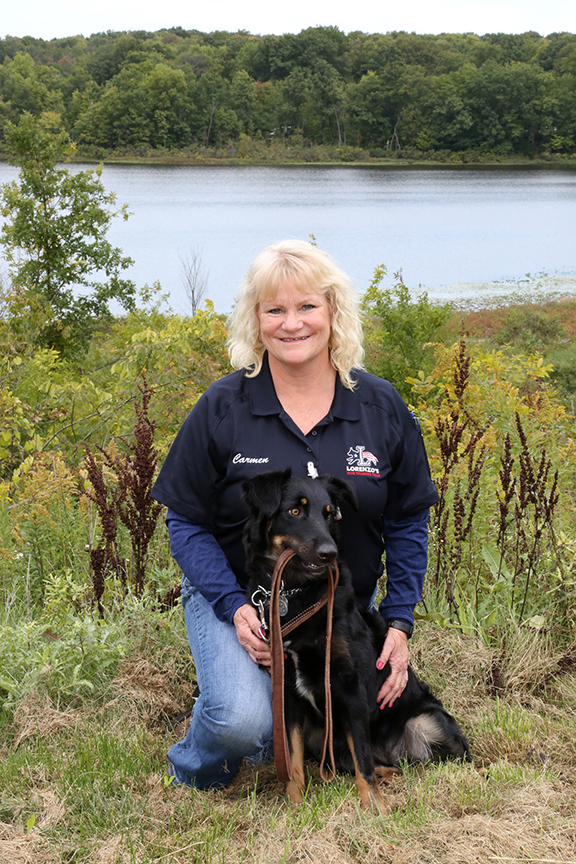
301	514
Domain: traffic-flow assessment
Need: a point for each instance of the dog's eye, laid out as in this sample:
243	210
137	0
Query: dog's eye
295	511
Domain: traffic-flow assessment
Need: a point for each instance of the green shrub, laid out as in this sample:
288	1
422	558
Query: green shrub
399	330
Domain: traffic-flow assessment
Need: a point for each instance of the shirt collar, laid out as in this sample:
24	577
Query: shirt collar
264	401
346	404
263	398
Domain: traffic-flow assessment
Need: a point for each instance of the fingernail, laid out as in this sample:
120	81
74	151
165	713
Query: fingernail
380	664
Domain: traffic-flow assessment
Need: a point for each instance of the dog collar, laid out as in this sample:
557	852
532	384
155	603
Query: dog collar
261	601
261	598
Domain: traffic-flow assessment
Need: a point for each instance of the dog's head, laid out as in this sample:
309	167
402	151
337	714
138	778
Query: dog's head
296	513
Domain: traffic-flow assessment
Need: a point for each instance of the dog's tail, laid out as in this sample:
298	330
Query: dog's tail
432	736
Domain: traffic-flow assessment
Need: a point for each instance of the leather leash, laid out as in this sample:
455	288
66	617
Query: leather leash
277	631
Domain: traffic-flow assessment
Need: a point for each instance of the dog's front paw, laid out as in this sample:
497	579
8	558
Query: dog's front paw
294	792
370	796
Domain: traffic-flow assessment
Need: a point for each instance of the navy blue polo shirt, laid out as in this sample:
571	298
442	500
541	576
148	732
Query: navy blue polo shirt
238	428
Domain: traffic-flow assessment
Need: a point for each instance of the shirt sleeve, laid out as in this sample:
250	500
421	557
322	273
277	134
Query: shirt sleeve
189	480
204	564
410	486
406	544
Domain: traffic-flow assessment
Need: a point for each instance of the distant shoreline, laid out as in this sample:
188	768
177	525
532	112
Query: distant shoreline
568	162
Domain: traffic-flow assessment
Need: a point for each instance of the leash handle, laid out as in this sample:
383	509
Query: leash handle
281	748
328	737
277	631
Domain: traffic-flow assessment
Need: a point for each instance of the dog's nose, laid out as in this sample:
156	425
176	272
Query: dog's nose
326	552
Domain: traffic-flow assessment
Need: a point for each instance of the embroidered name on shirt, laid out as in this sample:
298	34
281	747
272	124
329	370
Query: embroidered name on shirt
361	461
252	460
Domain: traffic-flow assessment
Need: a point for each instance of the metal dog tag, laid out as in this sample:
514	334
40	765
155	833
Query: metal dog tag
282	605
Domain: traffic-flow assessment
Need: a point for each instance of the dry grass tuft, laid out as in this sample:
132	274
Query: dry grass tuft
17	847
477	839
455	665
112	851
36	716
153	693
529	661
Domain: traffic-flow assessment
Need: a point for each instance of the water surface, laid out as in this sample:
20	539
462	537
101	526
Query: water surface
458	233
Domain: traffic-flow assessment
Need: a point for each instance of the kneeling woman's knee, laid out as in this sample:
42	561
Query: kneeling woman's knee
243	722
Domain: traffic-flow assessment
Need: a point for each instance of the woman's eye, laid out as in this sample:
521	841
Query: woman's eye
307	307
274	311
295	511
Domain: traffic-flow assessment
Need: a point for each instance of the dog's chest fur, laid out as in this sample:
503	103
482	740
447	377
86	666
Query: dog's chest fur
301	683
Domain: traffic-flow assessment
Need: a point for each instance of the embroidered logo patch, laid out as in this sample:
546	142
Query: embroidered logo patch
361	461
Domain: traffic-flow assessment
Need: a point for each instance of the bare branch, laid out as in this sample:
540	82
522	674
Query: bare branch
194	277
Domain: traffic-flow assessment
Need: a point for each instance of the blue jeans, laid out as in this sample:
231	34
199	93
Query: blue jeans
232	718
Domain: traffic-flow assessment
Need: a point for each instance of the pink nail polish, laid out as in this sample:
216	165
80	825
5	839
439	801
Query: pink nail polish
380	664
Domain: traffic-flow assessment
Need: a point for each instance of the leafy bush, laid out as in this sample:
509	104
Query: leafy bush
528	328
44	527
54	235
399	330
563	360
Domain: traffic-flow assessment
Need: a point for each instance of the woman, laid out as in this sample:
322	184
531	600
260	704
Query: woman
301	400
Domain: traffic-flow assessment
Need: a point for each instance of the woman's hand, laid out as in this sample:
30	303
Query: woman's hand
395	652
247	625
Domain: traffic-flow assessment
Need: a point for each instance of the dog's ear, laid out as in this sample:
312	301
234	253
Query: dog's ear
341	492
263	493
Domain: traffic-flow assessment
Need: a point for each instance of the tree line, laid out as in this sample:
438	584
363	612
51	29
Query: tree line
388	94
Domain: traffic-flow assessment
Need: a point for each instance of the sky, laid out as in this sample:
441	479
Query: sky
58	18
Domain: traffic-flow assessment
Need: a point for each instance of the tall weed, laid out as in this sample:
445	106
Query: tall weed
503	458
124	498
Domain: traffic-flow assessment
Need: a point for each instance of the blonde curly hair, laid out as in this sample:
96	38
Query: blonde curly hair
313	272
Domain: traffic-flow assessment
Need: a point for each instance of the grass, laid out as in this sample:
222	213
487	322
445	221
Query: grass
87	783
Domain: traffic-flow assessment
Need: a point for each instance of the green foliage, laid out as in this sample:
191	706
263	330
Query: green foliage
529	329
47	401
55	238
400	330
65	665
43	529
503	459
394	95
48	527
563	360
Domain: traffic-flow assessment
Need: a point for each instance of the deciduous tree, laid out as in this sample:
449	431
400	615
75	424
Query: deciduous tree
55	238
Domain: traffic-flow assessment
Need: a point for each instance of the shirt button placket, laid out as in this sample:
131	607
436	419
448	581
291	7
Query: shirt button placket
314	433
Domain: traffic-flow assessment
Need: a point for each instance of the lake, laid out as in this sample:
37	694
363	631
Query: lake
459	233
